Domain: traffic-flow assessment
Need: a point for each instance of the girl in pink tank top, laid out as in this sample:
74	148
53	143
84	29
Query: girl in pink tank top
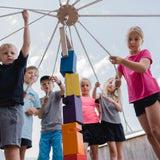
91	129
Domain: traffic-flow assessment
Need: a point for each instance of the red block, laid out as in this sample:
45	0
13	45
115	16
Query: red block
76	157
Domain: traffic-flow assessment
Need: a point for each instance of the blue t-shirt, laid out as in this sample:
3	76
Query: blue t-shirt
31	100
11	82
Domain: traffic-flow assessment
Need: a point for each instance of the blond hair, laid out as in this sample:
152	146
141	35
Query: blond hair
9	45
135	29
116	94
33	67
86	79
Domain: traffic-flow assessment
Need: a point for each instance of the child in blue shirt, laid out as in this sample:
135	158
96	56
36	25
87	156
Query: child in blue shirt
30	108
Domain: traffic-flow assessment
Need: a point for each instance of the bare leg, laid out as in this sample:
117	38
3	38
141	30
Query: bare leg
144	123
112	150
22	152
94	152
119	146
12	153
153	117
85	148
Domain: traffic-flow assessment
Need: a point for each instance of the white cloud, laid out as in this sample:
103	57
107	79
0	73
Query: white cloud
33	60
103	66
85	70
83	67
12	20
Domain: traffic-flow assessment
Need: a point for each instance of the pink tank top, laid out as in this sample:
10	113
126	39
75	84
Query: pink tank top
88	108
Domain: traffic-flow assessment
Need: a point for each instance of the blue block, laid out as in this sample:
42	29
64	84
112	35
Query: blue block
72	111
68	64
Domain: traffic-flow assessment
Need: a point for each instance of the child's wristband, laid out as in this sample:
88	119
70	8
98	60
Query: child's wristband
59	83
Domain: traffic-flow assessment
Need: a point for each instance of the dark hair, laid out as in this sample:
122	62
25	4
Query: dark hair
44	78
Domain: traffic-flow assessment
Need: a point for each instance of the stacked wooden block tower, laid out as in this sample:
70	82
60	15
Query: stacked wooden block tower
72	111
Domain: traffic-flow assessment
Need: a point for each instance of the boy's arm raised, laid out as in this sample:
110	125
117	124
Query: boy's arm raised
41	111
26	35
61	86
62	91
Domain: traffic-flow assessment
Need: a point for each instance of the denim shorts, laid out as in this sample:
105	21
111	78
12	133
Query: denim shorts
11	123
141	104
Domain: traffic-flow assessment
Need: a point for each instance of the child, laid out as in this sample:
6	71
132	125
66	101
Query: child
143	89
111	123
31	106
51	115
91	129
11	94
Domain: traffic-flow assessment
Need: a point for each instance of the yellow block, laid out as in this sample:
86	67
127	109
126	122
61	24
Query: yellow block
72	84
72	139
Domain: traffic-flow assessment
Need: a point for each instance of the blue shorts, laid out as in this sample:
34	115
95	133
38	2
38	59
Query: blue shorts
141	104
93	134
48	140
113	132
11	123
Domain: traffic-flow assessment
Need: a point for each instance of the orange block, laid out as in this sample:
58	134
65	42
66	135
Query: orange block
76	157
72	139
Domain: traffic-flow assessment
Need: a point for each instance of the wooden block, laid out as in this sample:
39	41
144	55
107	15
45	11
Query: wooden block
68	43
72	84
71	127
76	157
63	42
68	64
72	111
72	139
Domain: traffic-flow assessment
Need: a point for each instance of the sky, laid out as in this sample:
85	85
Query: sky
109	31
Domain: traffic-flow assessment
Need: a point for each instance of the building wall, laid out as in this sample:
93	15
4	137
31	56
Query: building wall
136	147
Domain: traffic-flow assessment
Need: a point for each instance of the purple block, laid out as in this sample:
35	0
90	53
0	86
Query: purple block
72	111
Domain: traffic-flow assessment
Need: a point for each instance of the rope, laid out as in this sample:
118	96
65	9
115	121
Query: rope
67	2
113	65
26	9
75	2
60	3
88	4
24	26
43	13
65	27
48	44
10	14
86	53
125	120
56	59
54	67
71	36
100	45
123	15
43	55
